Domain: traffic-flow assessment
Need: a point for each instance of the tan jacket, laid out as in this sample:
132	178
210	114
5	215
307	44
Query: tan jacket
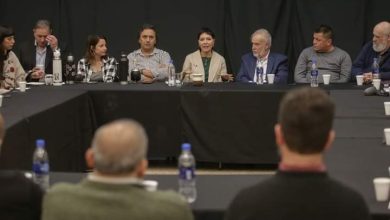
13	72
193	64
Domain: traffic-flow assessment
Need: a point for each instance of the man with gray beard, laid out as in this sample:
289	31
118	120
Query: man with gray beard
377	48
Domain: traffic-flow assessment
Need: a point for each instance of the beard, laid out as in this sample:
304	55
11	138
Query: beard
262	53
379	47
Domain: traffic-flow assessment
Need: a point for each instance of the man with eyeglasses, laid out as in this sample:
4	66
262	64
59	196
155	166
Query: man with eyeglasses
377	48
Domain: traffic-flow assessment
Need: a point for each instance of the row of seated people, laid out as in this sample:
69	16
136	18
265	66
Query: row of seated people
96	65
115	189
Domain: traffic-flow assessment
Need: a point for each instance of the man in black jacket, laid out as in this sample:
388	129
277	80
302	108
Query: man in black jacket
301	188
36	56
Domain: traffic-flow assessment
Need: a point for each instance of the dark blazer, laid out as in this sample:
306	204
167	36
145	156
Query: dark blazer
363	62
27	56
20	198
277	64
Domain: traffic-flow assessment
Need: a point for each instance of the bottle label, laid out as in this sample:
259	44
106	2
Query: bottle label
186	173
41	168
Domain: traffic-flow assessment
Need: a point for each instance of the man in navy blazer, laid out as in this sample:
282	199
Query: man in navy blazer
378	48
261	59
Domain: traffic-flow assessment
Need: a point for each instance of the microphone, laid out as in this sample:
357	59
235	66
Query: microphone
371	91
78	78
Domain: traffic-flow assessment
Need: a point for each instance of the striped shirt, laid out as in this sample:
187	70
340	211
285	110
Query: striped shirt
157	62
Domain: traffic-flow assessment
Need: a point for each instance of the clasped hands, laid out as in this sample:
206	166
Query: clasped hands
37	73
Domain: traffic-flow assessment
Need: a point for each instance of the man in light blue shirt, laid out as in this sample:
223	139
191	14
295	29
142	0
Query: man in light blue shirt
152	62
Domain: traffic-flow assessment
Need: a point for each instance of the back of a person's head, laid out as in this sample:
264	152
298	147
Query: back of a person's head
306	118
119	147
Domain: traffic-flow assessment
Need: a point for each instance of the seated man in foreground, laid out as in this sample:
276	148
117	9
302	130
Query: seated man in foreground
301	188
115	189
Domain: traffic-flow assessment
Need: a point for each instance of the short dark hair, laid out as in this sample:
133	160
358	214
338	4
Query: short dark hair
306	118
92	41
326	30
206	30
147	26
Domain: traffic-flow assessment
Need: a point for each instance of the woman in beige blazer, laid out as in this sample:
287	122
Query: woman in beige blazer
205	60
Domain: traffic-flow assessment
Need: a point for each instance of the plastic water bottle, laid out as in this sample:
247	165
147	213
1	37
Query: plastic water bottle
187	183
314	73
41	165
171	74
375	68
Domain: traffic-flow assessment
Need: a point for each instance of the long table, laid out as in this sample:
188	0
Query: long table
224	122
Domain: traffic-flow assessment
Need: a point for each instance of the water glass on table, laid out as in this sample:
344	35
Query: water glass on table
49	79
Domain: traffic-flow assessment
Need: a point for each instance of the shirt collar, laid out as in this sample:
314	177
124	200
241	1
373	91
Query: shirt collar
312	168
114	180
139	52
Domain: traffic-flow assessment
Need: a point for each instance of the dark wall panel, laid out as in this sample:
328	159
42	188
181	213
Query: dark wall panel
291	22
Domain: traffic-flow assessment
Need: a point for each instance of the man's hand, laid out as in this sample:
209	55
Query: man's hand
227	77
37	73
147	80
147	73
53	42
367	77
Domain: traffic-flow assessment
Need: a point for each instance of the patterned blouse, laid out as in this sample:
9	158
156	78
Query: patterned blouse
13	72
108	69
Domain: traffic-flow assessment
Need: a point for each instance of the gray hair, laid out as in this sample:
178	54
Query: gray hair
42	23
264	34
119	146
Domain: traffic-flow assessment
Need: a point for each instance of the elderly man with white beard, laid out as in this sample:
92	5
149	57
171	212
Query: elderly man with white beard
377	48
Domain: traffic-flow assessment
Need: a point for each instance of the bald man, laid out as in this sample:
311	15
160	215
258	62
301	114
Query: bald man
20	198
377	48
115	189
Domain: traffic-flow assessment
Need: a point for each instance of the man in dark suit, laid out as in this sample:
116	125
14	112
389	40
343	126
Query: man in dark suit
262	62
36	56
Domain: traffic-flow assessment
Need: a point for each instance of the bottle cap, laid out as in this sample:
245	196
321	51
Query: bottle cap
57	54
40	143
186	146
70	58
